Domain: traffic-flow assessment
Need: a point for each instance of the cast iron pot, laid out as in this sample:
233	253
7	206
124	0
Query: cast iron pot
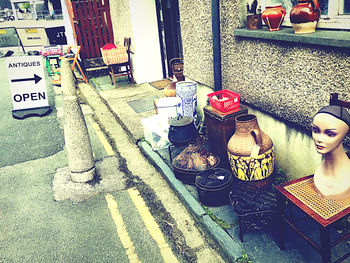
214	186
182	130
188	176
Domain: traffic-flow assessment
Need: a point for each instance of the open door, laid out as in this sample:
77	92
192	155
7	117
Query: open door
169	32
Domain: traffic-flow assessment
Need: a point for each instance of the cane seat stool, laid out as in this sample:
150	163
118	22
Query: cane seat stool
301	194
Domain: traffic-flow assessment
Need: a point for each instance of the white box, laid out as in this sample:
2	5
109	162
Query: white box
168	106
155	129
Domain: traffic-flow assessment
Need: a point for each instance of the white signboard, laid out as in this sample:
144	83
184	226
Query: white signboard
27	82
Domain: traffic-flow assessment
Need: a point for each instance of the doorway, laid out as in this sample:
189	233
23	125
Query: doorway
168	17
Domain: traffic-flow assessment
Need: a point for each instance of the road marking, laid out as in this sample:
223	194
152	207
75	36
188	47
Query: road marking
121	229
108	148
152	226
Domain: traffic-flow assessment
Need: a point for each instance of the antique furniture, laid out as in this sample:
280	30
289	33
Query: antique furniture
120	62
334	100
73	54
255	207
220	128
301	194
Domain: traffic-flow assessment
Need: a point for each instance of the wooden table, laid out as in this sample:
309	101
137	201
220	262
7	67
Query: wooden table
292	194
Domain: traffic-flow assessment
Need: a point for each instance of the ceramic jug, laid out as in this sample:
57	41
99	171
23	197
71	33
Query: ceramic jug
304	16
250	151
273	16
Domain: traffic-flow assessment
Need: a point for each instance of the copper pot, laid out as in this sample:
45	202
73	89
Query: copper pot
191	161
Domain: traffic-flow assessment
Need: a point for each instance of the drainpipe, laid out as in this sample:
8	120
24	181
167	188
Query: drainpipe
215	13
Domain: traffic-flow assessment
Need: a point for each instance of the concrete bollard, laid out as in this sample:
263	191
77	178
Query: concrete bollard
67	79
78	146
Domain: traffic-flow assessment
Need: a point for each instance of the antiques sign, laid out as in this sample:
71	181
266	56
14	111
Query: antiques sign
27	83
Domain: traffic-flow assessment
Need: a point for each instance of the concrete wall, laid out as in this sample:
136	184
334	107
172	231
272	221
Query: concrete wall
195	20
138	20
286	83
288	80
121	21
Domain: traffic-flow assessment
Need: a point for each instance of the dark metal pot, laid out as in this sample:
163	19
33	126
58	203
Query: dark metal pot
182	130
214	186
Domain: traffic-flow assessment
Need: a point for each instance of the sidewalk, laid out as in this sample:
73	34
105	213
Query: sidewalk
260	246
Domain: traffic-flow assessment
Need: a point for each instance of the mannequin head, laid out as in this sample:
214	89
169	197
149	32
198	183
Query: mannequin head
330	125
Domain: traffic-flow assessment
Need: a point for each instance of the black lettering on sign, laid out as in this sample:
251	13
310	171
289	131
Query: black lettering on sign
30	96
24	64
17	98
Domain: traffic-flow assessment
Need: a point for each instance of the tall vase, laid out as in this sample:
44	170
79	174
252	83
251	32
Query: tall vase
250	151
304	16
187	92
273	16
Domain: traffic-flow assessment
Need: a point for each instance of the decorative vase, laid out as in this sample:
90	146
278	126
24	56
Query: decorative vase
250	151
304	16
273	16
187	92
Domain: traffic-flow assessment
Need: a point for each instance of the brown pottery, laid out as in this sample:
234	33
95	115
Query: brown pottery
304	16
250	151
273	16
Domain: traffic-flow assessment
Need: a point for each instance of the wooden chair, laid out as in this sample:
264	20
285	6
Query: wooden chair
122	69
73	54
335	101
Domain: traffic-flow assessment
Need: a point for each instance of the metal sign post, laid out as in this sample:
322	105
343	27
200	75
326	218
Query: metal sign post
28	86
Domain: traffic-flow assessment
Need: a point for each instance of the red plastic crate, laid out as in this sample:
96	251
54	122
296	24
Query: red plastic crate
224	106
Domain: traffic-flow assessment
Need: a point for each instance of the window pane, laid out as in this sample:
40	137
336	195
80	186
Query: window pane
324	6
345	7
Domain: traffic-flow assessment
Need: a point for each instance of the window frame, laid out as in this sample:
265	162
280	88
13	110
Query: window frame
333	20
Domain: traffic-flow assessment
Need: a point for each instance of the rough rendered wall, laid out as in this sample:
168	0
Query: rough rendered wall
288	80
195	20
121	20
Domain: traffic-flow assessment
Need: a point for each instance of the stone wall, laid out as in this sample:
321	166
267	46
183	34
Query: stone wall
284	84
195	20
121	21
288	80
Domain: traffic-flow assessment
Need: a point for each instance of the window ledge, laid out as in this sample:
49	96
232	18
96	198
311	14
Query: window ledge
333	38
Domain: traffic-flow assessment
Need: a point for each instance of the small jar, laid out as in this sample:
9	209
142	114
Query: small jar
273	16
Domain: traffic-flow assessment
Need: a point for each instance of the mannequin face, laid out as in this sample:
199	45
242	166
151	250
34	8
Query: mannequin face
328	132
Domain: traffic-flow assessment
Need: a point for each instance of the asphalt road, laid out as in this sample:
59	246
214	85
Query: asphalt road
30	138
44	217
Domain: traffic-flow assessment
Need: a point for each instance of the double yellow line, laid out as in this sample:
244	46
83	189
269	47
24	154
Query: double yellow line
149	222
151	225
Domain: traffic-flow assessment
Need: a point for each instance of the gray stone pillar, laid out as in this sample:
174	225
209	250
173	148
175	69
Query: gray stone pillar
77	141
67	79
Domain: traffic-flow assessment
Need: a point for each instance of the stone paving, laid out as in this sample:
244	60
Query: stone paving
261	245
